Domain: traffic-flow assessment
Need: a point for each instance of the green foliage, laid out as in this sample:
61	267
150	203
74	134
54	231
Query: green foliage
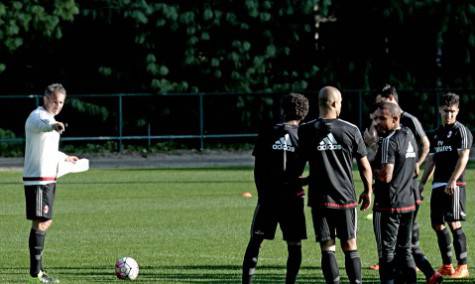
9	149
90	149
22	19
93	110
251	46
185	45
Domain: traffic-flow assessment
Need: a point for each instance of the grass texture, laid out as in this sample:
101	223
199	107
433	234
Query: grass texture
181	225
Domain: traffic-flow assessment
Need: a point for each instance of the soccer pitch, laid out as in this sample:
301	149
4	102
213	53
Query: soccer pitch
181	225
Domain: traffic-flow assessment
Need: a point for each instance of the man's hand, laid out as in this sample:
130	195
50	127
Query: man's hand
71	159
370	136
59	127
365	201
451	187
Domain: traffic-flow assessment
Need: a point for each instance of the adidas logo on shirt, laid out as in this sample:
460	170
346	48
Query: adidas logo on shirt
284	143
328	143
410	153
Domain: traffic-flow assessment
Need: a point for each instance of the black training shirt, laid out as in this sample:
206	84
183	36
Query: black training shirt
411	122
276	164
330	146
445	144
400	149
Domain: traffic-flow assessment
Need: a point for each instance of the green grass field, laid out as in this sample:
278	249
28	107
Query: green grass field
182	226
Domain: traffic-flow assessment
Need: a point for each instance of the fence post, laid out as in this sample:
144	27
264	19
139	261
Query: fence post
149	133
202	142
120	146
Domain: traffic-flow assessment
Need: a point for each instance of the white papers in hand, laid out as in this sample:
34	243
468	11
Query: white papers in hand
65	167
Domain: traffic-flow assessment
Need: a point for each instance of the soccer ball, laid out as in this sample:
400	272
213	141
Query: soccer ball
126	268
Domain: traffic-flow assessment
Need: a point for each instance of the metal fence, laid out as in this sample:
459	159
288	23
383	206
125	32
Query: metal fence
199	117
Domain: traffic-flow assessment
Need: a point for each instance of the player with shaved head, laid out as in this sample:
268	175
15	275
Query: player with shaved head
329	144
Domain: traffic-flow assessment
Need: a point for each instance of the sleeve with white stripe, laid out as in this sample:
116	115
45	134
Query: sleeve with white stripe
466	138
388	150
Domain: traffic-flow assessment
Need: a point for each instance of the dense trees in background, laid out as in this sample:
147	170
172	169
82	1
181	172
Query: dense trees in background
247	46
237	46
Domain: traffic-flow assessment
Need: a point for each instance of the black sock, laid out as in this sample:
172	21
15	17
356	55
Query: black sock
36	243
293	262
330	267
353	266
443	239
460	245
250	260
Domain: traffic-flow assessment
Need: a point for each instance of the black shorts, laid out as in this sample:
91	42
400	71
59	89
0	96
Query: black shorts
39	201
330	223
445	207
289	214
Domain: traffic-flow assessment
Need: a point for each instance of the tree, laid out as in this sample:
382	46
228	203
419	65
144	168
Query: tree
23	20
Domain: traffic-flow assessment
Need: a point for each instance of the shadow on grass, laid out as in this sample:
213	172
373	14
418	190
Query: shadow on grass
225	274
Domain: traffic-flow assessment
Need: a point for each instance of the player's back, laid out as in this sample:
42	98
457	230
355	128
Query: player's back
277	165
330	146
410	121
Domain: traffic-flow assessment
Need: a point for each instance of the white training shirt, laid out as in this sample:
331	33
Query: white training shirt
41	149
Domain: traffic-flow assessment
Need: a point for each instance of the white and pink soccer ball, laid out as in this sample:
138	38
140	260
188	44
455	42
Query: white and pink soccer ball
126	268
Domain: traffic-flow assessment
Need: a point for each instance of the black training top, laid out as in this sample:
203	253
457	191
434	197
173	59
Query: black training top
277	166
411	122
445	144
330	146
400	149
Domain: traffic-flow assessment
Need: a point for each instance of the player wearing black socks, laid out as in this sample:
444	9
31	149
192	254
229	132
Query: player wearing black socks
42	133
36	244
280	194
329	144
448	158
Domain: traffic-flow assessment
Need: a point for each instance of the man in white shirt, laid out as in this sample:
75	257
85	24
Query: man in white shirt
42	157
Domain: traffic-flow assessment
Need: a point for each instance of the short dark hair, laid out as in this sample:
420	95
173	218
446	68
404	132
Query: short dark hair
388	91
53	88
393	109
450	99
295	106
